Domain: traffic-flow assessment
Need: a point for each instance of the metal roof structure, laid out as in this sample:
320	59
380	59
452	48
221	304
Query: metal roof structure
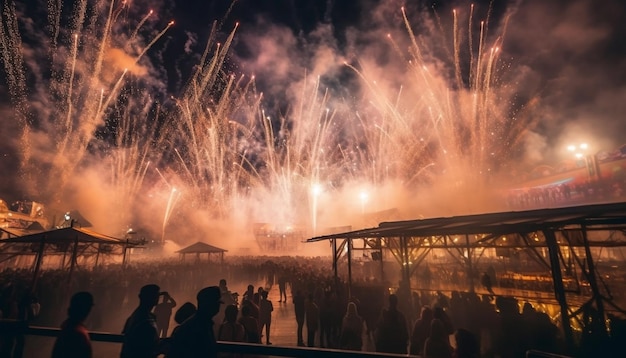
68	241
557	229
65	235
592	217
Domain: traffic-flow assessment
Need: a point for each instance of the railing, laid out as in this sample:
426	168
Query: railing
539	354
16	328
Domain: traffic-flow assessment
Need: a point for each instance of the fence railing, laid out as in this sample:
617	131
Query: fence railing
16	328
19	328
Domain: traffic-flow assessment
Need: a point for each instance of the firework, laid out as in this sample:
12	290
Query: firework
217	149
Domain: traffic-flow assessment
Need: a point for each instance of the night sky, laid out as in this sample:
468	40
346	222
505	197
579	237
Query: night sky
574	51
569	54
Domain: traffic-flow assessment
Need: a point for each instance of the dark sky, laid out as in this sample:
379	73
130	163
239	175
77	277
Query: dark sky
573	52
570	55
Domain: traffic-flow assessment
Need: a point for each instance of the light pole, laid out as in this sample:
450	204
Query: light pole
580	151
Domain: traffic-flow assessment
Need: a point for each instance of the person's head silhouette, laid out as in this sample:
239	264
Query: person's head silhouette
209	300
80	306
393	301
149	296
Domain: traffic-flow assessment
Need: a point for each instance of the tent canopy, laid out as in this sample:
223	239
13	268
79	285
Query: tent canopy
66	235
200	248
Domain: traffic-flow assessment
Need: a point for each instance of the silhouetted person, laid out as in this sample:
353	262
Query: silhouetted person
73	340
163	313
265	316
466	344
327	316
249	294
391	331
228	299
485	280
195	336
231	330
440	314
20	305
141	338
438	344
227	296
282	288
250	324
509	338
300	309
257	296
312	316
421	331
185	311
351	337
248	297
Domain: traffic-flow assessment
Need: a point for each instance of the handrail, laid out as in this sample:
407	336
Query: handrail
15	327
19	327
540	354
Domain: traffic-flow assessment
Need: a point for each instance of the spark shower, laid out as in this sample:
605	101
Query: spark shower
96	129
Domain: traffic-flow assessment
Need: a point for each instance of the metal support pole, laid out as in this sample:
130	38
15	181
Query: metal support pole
124	257
591	277
73	261
404	253
559	289
382	271
38	264
409	269
470	269
95	266
334	247
349	243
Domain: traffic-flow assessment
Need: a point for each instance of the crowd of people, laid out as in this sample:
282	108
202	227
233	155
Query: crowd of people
605	190
139	301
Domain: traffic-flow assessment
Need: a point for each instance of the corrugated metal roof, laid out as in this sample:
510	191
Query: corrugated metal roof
606	216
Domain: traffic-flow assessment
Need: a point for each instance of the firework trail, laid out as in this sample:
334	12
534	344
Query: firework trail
65	89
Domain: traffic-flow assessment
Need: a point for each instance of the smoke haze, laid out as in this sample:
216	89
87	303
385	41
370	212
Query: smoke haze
353	104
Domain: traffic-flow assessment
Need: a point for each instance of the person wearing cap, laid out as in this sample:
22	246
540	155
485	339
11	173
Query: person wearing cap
141	338
73	340
195	337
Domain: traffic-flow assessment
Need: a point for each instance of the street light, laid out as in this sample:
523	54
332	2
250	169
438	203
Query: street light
591	164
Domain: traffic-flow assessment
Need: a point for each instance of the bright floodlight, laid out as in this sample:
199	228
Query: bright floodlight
584	146
363	195
579	155
571	148
316	189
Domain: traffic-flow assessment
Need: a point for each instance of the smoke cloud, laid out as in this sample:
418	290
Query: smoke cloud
391	122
